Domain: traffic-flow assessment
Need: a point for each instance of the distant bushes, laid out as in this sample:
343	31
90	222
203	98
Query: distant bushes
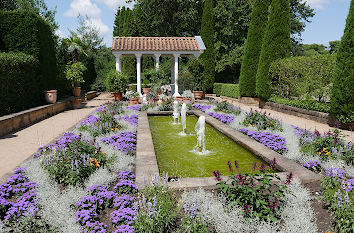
18	82
307	78
226	89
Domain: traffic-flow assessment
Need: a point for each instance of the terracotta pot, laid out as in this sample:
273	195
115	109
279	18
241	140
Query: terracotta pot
198	95
117	96
179	98
186	100
133	101
76	91
50	96
146	90
76	103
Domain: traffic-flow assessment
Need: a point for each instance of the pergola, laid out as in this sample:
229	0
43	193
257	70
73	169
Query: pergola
173	47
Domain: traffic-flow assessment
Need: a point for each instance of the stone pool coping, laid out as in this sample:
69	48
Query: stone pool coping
146	163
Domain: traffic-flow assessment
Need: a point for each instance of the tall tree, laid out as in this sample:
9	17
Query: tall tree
333	46
342	96
208	36
259	19
276	45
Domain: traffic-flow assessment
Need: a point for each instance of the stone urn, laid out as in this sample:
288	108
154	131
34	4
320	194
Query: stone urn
179	98
146	90
50	96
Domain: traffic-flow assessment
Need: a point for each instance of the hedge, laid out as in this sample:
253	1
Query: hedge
305	104
230	90
342	96
217	88
276	45
26	32
303	77
19	83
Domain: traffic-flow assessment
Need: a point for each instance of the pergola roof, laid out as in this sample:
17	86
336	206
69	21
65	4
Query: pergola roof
158	44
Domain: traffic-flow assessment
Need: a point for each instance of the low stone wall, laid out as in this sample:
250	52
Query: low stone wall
320	117
16	121
90	95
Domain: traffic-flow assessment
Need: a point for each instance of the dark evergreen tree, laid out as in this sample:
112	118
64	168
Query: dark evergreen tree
276	45
208	36
259	19
342	96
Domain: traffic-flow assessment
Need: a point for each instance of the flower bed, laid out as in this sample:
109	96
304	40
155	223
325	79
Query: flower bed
202	107
224	118
261	121
272	141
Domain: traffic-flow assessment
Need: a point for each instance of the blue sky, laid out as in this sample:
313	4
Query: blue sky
327	25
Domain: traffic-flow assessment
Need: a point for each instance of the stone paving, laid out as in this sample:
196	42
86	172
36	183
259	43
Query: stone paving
18	146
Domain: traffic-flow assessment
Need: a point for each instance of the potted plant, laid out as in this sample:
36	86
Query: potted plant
187	96
74	73
145	86
133	97
116	82
196	69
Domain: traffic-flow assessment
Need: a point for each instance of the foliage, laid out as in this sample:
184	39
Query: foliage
192	76
193	224
132	94
157	210
276	45
116	81
230	90
217	89
334	46
303	77
18	77
71	160
330	145
252	192
342	97
259	18
338	195
305	104
226	107
26	32
166	105
104	62
261	121
314	49
208	35
74	73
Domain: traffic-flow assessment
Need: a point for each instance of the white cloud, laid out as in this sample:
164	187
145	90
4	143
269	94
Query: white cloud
114	4
319	4
83	7
59	33
99	25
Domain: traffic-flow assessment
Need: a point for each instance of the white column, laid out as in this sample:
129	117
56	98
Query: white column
172	76
119	63
157	59
138	73
176	56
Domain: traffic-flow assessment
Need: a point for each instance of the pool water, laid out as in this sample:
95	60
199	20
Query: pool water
176	156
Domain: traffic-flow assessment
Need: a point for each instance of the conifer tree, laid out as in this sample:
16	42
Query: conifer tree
276	45
208	35
259	19
342	95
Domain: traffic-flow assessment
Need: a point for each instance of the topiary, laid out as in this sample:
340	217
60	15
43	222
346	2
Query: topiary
342	95
259	19
276	45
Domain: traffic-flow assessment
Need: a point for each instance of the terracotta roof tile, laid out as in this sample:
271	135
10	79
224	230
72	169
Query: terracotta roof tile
155	44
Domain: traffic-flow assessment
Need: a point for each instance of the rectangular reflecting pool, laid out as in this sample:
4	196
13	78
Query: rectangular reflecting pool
175	154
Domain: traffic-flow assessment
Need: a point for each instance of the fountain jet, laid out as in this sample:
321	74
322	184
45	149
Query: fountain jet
175	112
200	129
183	117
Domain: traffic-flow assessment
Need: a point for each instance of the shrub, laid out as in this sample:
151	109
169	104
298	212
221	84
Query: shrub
305	104
116	81
276	45
27	32
342	98
207	33
217	88
19	82
259	18
230	90
303	77
261	121
74	73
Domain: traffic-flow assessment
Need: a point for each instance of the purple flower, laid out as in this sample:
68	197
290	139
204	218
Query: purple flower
125	141
134	107
123	215
124	229
201	107
224	118
348	185
132	119
336	173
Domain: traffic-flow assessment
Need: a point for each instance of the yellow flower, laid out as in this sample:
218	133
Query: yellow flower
94	162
